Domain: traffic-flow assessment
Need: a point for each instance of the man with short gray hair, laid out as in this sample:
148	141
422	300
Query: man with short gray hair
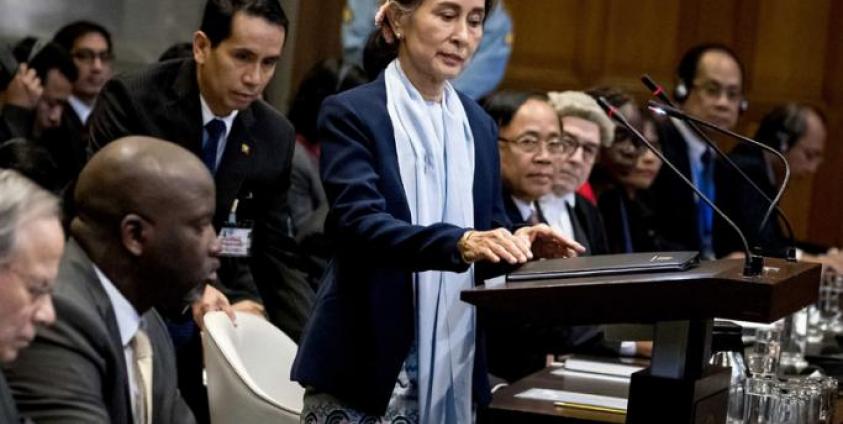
586	127
31	244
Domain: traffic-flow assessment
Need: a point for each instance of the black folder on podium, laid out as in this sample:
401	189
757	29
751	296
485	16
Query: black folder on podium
584	266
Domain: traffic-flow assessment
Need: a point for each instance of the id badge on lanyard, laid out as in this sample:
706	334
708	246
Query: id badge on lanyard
236	236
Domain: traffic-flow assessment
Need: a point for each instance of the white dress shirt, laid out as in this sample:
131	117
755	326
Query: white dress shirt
82	109
526	209
555	210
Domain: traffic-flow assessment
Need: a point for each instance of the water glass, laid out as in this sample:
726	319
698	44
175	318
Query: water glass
793	340
797	400
828	303
734	413
759	396
763	359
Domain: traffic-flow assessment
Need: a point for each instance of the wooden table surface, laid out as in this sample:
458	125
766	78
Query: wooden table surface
506	408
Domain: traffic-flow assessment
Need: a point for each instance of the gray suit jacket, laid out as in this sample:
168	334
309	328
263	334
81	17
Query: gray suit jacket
75	371
8	411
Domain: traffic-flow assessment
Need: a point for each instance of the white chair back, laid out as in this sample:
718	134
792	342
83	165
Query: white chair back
248	370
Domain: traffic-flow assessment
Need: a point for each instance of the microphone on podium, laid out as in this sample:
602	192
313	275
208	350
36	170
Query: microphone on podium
658	91
753	264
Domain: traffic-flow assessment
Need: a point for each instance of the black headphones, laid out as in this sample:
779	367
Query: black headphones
791	127
687	70
782	127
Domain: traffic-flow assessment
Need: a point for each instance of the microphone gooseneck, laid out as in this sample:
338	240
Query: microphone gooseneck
753	264
658	92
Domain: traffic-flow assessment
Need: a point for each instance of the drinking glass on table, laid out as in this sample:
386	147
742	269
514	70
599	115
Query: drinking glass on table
763	358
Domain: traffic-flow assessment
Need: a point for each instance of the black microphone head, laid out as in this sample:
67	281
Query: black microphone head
614	113
649	83
655	89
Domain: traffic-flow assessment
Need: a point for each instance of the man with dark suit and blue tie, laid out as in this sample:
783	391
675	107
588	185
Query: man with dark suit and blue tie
211	105
710	86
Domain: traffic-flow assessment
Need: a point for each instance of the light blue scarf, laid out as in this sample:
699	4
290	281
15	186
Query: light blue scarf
435	148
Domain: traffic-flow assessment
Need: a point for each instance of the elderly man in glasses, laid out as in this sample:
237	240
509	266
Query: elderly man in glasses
31	244
547	148
529	141
585	128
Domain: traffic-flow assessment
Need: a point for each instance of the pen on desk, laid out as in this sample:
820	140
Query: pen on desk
586	407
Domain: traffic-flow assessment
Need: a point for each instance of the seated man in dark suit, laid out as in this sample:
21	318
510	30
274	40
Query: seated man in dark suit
529	139
142	246
531	146
710	86
799	132
31	244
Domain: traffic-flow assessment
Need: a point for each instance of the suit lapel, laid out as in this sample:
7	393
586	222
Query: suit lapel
184	111
579	231
102	304
237	161
540	212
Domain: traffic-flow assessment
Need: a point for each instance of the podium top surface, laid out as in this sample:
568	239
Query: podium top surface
711	289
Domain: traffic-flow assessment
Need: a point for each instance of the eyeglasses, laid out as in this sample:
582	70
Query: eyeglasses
627	145
713	90
589	150
529	143
89	56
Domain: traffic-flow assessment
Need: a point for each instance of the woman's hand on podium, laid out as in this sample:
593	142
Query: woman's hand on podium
546	242
494	246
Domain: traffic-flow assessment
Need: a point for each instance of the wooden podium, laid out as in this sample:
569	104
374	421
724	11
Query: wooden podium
679	386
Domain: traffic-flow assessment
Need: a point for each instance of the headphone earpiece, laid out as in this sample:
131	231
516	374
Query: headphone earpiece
680	93
743	105
782	136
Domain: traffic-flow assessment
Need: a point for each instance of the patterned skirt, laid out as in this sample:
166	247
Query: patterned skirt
403	408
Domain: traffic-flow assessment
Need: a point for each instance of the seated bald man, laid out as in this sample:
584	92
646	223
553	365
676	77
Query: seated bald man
142	246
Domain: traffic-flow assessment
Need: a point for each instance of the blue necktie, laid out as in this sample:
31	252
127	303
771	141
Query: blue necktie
705	215
215	130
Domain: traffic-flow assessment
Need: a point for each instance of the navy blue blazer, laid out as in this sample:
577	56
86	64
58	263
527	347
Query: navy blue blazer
363	323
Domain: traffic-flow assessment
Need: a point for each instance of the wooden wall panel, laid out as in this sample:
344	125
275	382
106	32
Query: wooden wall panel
546	42
790	51
318	36
640	37
826	217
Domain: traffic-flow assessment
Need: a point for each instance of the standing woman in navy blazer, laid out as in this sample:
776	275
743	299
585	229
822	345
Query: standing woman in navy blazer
412	175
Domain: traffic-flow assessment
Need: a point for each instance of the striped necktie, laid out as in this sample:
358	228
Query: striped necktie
143	377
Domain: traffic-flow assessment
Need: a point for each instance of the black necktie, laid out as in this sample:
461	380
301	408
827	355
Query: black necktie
216	130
